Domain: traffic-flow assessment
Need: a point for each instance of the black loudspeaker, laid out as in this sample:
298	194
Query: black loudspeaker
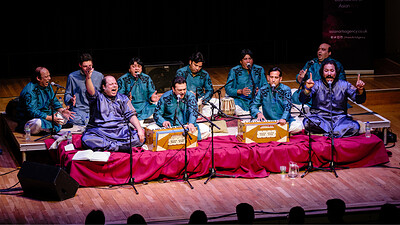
162	74
46	182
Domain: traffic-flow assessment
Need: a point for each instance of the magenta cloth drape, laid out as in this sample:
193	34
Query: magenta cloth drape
231	158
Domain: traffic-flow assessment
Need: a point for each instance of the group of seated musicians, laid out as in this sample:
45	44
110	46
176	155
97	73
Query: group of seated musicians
106	105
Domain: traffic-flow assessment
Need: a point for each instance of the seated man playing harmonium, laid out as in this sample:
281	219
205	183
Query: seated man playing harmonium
108	127
273	97
177	106
329	102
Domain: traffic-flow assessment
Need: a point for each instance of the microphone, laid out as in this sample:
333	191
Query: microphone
330	83
176	109
57	85
309	64
273	88
248	66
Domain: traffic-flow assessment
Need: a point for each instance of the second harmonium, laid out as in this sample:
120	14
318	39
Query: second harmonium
262	132
169	138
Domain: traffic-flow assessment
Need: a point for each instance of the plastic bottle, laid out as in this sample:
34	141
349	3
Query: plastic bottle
69	137
367	130
27	133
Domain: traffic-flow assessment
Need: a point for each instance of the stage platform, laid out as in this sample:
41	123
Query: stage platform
23	147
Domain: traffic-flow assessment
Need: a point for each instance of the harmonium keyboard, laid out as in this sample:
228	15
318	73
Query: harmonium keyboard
169	138
262	132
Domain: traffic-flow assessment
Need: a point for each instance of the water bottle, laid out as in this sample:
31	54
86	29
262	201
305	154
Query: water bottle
27	133
69	137
367	130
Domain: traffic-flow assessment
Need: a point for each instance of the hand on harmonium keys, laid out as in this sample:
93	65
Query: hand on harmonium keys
166	124
282	122
260	117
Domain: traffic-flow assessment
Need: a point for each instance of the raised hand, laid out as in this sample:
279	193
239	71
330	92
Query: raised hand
360	84
155	97
89	72
310	82
302	74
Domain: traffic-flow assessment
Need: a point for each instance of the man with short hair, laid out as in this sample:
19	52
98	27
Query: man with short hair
275	97
314	65
139	87
110	115
245	80
167	112
35	102
197	79
75	91
272	99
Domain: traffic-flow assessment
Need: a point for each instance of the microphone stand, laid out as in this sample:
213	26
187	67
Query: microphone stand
52	130
213	171
176	111
310	166
186	135
219	98
332	163
131	179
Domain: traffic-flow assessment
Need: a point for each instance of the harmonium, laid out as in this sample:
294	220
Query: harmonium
169	138
262	132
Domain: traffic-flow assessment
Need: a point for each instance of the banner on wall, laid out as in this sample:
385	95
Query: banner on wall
347	27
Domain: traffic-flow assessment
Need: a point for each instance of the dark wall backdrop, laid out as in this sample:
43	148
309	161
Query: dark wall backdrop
54	34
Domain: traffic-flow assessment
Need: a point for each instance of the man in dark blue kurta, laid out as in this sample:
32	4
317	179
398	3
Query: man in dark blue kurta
323	107
35	102
245	80
110	112
197	79
167	112
139	88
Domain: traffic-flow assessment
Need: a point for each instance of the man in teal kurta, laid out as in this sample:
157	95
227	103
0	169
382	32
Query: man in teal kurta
168	114
198	80
35	102
240	85
313	66
139	88
270	97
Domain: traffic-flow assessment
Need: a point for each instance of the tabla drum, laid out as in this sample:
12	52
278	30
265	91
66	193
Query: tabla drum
228	106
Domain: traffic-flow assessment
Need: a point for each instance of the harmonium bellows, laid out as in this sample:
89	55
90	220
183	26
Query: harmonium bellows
169	138
262	132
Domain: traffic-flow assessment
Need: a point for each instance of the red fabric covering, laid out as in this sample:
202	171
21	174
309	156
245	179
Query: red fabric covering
231	158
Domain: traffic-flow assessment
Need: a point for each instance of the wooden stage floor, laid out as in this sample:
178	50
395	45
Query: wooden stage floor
172	202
